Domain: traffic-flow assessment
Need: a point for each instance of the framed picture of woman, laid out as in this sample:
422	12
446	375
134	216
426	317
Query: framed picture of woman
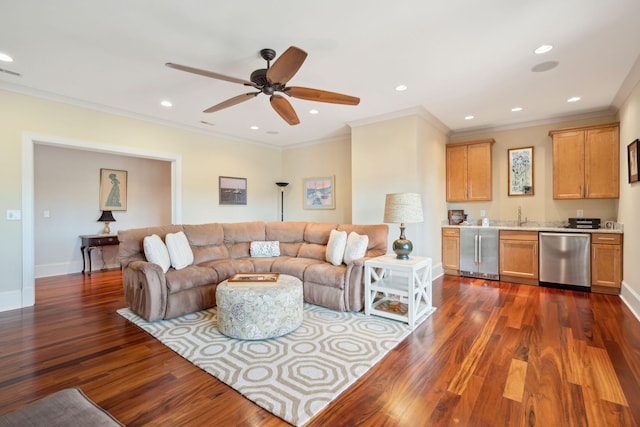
113	190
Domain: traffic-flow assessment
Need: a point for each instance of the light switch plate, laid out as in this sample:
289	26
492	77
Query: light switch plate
13	215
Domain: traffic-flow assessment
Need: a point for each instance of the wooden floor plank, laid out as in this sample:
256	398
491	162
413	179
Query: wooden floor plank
513	355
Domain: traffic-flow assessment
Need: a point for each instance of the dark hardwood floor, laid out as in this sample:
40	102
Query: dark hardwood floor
493	354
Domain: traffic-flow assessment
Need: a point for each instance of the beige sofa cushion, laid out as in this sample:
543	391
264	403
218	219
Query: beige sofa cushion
190	277
207	242
289	234
239	235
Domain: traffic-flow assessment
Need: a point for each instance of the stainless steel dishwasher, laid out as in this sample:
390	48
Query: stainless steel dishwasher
565	260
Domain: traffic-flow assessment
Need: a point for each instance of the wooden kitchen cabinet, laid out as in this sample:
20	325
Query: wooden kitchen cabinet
606	263
519	256
469	171
451	251
586	162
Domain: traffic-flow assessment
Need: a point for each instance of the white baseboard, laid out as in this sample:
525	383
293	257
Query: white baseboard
46	270
631	298
10	300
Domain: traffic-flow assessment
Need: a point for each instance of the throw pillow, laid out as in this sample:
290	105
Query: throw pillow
336	246
356	247
156	251
179	250
265	249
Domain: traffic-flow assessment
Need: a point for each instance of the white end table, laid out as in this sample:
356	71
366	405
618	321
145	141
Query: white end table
407	281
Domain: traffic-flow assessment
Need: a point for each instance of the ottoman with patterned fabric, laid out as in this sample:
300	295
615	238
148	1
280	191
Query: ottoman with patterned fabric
260	311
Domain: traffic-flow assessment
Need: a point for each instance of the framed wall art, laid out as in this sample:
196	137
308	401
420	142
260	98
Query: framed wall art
633	158
232	191
521	171
113	190
319	193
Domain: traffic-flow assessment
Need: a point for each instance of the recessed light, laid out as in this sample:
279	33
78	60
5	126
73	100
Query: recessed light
5	58
254	127
401	88
166	103
516	109
573	99
314	111
543	49
469	117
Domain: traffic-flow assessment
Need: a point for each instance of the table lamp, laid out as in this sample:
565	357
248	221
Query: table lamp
403	208
106	217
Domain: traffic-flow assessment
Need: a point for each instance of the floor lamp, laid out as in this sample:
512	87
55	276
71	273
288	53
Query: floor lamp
282	185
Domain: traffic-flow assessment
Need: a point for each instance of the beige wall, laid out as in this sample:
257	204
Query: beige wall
540	207
400	155
203	159
66	187
332	158
630	203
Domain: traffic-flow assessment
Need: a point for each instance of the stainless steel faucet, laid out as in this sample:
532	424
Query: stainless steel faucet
520	221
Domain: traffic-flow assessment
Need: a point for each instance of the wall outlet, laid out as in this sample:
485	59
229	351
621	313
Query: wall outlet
46	214
483	213
579	213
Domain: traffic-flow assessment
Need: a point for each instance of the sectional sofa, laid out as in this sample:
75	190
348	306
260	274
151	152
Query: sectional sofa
221	250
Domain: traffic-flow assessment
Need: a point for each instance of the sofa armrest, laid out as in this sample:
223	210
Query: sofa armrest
354	285
145	289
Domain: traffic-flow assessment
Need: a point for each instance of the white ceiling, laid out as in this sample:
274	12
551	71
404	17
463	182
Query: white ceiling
457	57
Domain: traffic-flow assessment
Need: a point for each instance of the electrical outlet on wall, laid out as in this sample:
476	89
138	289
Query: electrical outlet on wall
579	213
483	212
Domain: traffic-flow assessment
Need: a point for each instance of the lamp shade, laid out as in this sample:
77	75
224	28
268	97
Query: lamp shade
106	216
402	208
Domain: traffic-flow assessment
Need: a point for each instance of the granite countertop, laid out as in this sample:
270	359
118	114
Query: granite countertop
558	227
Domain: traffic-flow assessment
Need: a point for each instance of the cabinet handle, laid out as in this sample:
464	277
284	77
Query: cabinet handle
480	250
606	238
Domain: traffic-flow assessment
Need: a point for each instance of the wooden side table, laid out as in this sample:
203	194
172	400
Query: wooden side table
90	242
398	289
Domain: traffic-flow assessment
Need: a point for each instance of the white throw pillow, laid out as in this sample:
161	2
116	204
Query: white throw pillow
179	250
336	246
156	251
265	249
356	247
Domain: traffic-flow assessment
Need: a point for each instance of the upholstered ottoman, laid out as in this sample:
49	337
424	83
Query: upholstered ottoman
255	311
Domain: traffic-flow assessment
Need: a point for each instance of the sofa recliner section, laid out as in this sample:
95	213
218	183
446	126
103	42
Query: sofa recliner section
223	249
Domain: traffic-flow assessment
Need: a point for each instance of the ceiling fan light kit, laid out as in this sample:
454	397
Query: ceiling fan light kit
272	80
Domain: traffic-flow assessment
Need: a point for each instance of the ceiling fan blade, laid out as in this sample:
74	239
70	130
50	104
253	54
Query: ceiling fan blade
209	74
321	96
287	65
284	108
231	101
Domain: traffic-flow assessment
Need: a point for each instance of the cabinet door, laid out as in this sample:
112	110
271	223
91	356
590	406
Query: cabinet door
606	265
568	165
451	252
519	258
479	172
457	173
602	163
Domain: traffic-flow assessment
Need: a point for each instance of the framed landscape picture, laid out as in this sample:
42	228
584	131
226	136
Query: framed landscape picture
113	190
632	161
521	171
319	193
232	191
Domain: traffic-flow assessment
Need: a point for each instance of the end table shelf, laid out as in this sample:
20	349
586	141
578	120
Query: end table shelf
388	279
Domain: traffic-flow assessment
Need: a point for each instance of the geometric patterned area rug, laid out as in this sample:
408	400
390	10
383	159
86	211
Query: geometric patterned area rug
293	376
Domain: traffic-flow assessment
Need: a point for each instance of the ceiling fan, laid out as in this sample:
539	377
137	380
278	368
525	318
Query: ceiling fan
272	80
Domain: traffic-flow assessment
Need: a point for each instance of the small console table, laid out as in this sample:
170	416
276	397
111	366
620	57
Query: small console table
398	289
90	242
